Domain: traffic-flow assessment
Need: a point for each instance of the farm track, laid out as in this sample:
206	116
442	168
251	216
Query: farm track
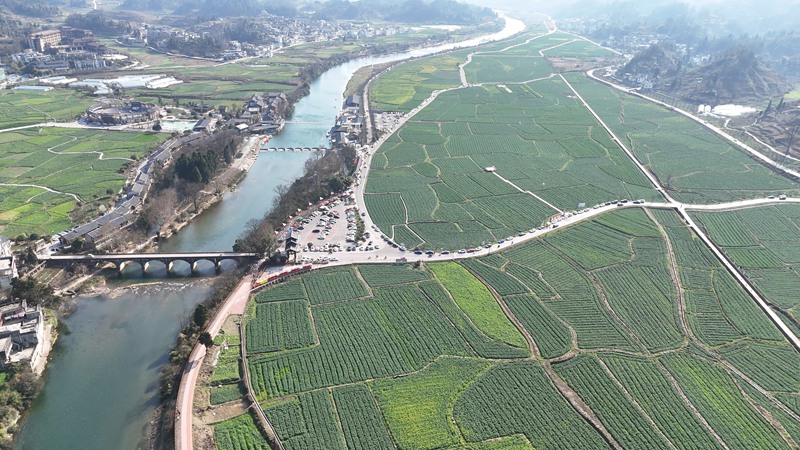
635	404
41	187
673	273
510	183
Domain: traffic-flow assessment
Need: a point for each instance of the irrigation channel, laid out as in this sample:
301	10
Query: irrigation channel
101	386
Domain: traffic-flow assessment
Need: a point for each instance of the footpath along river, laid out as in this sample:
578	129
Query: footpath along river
101	387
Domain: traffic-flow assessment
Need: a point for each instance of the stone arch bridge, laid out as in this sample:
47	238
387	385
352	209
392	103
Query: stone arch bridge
121	260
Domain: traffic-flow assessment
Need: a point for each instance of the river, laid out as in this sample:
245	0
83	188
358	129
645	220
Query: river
101	386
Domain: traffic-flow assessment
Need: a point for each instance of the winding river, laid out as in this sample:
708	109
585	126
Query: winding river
101	386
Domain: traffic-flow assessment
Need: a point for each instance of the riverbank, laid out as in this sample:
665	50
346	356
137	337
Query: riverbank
214	192
91	384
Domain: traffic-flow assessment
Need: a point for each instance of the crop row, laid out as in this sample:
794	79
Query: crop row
279	326
395	332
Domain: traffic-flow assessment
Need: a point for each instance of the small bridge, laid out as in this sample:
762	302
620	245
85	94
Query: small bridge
295	149
121	260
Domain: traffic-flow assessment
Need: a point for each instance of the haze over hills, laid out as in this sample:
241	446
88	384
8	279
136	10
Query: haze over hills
736	74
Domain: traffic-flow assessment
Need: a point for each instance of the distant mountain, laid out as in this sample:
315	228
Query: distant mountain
737	74
27	8
409	11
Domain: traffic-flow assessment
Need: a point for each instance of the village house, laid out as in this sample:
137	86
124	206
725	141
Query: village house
21	333
8	268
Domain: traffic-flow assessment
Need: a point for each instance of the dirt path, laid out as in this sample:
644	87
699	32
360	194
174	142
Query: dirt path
579	405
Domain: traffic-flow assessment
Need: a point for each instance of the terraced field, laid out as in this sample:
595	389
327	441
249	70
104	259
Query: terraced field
610	313
67	161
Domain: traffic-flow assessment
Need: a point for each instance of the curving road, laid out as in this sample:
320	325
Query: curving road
236	303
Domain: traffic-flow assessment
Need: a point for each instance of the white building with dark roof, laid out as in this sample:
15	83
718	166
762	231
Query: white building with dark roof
21	333
8	267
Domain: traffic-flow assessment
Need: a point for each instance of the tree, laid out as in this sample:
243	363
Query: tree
200	315
257	237
157	126
206	339
34	291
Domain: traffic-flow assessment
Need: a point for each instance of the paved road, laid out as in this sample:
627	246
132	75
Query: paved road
236	303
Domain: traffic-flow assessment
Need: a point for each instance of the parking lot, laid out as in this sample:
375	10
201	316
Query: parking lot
331	230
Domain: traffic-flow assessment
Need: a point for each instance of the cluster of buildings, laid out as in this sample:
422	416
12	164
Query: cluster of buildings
122	112
21	327
64	50
349	124
267	33
124	213
640	80
21	333
264	114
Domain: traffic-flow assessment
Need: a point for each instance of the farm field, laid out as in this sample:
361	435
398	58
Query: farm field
65	160
603	311
232	83
407	85
765	243
674	147
429	177
20	108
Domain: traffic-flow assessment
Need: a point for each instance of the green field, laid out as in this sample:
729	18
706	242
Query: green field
67	161
20	108
765	243
430	178
693	164
420	363
627	316
231	83
477	302
407	85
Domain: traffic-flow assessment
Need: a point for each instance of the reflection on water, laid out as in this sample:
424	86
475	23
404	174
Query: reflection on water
102	383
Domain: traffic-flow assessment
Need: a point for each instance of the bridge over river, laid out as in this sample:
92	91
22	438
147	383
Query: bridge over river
121	260
295	149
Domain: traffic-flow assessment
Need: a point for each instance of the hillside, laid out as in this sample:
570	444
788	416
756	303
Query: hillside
737	74
658	60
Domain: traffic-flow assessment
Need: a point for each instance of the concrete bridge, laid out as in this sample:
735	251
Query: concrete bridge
295	149
144	260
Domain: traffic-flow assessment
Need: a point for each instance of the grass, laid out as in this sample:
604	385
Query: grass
418	407
477	302
67	161
21	108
